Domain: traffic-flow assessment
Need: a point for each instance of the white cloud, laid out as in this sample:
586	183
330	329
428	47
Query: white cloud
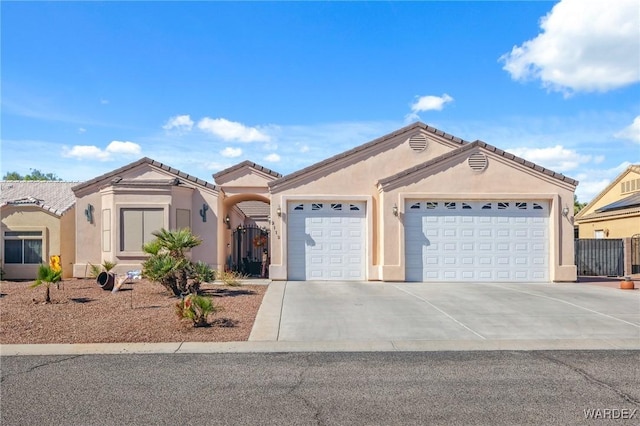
232	131
584	46
231	152
91	152
272	158
104	101
182	123
593	181
631	132
81	130
427	103
304	148
556	158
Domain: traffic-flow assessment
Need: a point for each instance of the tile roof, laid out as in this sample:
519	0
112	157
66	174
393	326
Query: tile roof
254	208
249	164
144	160
53	196
632	168
417	125
470	146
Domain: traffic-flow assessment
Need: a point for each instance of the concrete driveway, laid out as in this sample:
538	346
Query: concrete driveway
454	312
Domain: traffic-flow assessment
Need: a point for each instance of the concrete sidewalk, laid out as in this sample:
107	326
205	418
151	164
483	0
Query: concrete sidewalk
374	316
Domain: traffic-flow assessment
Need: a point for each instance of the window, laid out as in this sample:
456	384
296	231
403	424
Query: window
431	205
23	247
316	206
137	227
336	206
599	233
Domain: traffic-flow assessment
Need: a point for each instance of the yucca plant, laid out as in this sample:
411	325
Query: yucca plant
197	309
47	276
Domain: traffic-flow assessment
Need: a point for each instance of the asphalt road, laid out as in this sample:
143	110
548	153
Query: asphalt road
470	388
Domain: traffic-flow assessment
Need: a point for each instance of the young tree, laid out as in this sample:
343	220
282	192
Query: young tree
47	276
577	205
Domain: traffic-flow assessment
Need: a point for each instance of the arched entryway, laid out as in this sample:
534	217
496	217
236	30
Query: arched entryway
246	229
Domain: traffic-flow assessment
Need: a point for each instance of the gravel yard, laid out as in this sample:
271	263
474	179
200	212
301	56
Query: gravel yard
141	311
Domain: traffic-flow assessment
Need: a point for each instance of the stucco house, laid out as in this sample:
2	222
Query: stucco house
615	211
414	205
38	221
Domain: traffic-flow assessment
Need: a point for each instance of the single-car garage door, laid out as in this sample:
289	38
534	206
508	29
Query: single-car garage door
326	241
477	241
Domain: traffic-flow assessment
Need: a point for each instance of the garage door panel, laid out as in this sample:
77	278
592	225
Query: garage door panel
326	241
481	241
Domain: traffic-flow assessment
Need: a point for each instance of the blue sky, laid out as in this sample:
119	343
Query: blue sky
88	87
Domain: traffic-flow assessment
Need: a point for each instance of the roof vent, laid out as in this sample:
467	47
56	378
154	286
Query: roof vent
478	161
418	142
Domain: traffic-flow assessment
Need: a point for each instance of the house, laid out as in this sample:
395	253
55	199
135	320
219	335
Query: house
38	221
414	205
614	212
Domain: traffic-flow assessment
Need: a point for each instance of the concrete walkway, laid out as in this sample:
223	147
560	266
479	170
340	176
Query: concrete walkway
374	316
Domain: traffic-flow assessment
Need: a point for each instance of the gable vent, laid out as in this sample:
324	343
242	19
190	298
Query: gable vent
418	142
478	162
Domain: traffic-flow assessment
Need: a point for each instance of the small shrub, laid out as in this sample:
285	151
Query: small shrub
230	278
95	270
197	309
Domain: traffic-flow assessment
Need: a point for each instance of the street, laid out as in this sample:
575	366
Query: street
491	387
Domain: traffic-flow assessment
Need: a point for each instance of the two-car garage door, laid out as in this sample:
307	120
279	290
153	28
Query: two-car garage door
326	241
477	240
444	240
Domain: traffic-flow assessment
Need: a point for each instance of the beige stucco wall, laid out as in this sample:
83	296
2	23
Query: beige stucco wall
57	237
100	240
454	180
355	179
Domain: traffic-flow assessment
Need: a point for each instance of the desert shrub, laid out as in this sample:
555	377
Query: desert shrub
196	308
230	278
95	270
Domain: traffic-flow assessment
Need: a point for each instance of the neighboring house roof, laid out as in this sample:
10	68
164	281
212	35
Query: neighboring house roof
145	160
238	166
630	201
53	196
582	214
254	208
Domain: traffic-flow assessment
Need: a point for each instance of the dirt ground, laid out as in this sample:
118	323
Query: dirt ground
141	311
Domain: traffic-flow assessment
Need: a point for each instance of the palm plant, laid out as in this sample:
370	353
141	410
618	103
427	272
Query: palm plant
47	276
168	263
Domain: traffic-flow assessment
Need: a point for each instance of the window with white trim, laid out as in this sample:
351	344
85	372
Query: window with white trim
137	226
23	247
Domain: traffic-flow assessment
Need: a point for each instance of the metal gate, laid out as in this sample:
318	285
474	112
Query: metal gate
600	257
248	245
635	254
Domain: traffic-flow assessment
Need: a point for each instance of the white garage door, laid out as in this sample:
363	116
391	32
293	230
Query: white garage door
326	241
477	241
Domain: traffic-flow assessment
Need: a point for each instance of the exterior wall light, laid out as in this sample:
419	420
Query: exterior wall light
279	211
395	210
565	211
227	221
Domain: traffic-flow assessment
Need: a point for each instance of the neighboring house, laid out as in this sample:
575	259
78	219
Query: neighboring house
38	221
614	212
414	205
